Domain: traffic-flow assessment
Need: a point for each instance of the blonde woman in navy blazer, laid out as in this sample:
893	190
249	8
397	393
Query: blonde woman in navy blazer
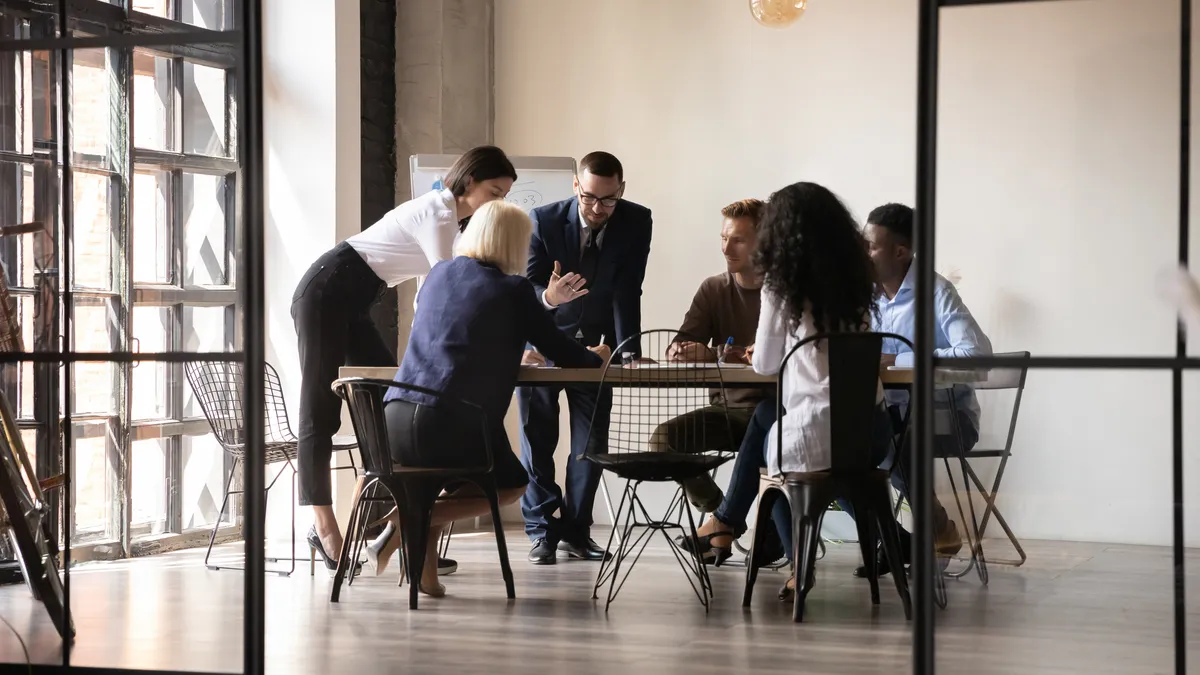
475	314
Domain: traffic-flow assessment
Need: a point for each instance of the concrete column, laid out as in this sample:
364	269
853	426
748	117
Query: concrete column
444	100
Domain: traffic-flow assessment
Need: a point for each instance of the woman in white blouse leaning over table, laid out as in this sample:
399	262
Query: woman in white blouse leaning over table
331	311
818	278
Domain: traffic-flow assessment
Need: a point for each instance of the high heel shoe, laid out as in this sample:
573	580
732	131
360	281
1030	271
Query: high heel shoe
787	592
375	548
702	544
316	547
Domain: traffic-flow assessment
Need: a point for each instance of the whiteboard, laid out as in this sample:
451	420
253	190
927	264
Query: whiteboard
540	180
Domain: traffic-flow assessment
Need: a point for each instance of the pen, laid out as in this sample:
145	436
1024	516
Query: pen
601	339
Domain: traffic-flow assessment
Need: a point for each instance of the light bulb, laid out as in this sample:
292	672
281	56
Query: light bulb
777	13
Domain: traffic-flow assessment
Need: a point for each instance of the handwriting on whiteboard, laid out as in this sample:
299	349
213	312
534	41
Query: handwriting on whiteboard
526	196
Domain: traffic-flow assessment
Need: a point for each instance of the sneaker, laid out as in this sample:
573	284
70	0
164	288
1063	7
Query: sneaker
446	566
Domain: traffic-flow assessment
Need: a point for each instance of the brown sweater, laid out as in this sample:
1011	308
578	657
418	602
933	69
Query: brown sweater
721	309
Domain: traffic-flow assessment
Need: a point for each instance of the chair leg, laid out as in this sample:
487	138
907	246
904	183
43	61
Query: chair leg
867	543
766	503
213	537
292	505
974	540
224	503
886	525
367	495
705	591
444	541
501	545
605	565
990	508
808	508
418	498
356	514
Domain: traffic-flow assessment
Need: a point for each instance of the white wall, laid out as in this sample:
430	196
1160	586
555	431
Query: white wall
1057	191
313	135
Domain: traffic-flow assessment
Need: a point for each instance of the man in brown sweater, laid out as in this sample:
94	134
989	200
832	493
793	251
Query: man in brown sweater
725	306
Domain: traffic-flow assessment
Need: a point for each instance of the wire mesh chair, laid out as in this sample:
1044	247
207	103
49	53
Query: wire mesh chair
219	387
657	435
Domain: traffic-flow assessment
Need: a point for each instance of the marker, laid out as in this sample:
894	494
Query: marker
728	346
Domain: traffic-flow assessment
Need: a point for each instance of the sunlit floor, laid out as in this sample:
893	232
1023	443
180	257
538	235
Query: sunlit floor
1073	608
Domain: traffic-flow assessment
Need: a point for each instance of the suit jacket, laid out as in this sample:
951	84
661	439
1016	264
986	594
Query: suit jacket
471	326
613	305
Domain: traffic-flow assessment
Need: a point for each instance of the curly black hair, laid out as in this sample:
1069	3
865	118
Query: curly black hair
814	258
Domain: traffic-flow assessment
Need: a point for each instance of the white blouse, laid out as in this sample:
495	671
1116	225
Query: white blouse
411	238
806	426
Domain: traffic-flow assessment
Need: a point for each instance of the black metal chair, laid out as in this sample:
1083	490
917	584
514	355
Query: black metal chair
219	386
413	490
993	379
645	396
854	474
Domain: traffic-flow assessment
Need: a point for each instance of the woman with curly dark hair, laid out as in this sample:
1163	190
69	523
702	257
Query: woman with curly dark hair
818	278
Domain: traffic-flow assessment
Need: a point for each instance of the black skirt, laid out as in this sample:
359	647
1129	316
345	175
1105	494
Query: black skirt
431	437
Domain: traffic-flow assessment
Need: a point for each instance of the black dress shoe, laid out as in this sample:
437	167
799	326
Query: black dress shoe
588	550
881	566
543	553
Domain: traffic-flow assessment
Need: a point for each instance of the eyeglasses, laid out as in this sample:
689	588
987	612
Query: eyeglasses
608	202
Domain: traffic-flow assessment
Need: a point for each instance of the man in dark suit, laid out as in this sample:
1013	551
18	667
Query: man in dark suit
603	241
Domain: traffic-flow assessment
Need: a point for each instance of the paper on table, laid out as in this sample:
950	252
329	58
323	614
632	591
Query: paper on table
691	365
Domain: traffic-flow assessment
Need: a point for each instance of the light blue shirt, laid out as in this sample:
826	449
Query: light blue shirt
955	333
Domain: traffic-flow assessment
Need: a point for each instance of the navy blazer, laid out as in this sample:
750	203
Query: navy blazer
469	332
613	305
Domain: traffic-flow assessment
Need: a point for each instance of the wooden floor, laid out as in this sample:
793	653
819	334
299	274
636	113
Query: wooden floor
1074	608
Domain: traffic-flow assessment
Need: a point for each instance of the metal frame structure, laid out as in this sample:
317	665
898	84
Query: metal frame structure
117	300
924	236
59	27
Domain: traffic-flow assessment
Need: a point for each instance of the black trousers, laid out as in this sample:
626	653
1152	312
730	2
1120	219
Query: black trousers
333	324
428	437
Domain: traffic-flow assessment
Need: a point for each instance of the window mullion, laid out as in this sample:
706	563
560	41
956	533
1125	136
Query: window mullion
175	384
120	152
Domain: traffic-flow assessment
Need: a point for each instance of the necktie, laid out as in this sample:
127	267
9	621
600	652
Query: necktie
589	257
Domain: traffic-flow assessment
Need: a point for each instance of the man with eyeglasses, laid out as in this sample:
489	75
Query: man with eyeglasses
587	260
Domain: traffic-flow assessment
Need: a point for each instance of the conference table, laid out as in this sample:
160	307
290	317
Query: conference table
737	377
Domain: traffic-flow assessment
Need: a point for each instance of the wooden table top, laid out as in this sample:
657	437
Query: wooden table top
689	376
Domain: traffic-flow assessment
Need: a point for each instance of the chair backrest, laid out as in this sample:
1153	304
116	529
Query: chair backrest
645	396
1005	378
365	398
854	361
220	389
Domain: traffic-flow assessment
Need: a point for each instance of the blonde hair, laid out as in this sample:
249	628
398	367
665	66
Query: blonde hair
498	233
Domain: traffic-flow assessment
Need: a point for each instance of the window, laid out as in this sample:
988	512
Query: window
152	195
184	299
